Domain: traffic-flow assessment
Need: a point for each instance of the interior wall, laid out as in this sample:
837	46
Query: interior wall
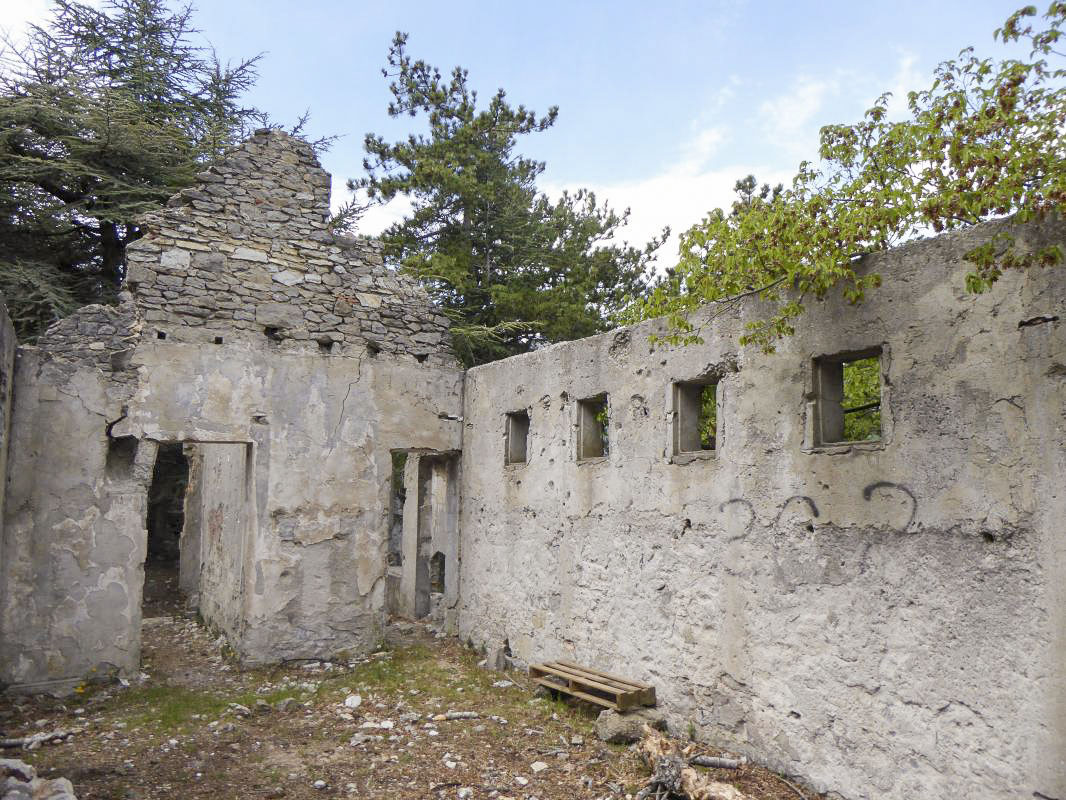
191	551
227	514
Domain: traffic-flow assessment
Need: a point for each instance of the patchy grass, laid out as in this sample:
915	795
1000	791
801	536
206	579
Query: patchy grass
177	737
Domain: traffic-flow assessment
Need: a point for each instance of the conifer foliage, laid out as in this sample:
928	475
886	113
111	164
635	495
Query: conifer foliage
103	115
512	267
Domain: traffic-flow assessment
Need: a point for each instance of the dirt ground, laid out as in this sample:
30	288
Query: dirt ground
196	726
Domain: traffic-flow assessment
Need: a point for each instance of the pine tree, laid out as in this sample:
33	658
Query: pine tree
103	115
513	268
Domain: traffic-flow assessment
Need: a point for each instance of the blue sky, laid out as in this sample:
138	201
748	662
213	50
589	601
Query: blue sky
662	106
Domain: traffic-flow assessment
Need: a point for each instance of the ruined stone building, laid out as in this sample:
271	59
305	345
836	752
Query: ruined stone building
269	405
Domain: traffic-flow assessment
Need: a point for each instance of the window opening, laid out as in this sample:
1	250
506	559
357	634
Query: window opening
696	426
592	440
848	397
517	438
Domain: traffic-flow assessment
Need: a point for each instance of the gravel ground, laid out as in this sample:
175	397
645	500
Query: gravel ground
196	726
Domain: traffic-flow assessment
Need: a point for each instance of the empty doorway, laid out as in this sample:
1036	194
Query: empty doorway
165	523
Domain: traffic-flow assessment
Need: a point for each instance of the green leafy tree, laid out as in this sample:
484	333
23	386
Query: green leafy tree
986	140
103	115
513	268
862	399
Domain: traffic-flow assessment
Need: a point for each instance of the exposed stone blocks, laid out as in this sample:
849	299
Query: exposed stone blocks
259	254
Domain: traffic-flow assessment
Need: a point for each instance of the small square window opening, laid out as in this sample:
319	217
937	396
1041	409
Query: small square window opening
592	438
517	438
695	417
848	398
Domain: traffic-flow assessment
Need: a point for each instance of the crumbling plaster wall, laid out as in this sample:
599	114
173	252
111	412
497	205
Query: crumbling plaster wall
885	619
8	343
292	358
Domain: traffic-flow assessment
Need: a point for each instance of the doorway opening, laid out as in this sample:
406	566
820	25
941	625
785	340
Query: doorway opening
394	552
165	522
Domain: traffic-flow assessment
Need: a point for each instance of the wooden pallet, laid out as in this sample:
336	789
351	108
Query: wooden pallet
601	688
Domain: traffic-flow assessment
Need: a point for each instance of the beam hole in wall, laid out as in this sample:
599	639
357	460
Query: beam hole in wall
592	428
218	340
272	333
165	521
325	345
160	334
121	453
372	349
695	417
847	397
517	438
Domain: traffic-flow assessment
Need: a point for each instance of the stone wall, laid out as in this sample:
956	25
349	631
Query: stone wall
248	257
887	618
290	362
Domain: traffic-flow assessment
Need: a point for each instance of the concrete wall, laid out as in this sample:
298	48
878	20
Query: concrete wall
227	530
74	539
886	619
8	343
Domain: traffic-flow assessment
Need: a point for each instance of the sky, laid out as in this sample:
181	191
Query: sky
663	106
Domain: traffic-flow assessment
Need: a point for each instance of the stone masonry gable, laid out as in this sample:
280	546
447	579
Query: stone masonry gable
248	253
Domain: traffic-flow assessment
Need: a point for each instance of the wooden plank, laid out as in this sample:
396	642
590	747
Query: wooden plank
549	684
602	674
627	693
570	675
589	675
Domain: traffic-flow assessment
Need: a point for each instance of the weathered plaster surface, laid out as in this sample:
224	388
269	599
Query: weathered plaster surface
8	343
888	619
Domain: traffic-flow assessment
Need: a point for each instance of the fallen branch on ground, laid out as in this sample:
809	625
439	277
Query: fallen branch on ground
715	762
673	776
36	740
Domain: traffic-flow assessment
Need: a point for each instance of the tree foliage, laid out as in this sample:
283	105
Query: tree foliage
984	141
862	399
103	115
513	268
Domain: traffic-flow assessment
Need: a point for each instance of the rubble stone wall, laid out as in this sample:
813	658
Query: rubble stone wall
249	250
886	619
